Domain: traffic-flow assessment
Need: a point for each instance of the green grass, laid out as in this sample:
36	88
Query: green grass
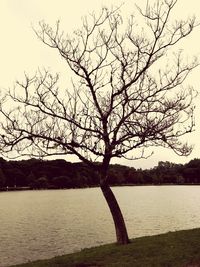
174	249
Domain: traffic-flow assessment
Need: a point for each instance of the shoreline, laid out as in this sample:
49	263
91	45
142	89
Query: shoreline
172	249
9	189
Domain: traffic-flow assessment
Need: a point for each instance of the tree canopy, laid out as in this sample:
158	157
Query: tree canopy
120	97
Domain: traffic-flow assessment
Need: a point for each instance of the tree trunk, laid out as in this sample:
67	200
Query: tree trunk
120	227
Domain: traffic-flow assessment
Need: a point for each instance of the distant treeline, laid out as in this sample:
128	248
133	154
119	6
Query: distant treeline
37	174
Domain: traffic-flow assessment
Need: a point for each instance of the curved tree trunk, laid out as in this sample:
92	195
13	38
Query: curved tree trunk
120	227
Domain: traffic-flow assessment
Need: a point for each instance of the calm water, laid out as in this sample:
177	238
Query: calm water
43	224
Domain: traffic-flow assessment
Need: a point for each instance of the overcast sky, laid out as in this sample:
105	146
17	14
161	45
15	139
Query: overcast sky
20	50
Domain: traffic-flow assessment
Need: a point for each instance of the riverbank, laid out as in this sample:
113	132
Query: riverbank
174	249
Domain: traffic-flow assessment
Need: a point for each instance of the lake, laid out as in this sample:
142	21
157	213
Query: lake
42	224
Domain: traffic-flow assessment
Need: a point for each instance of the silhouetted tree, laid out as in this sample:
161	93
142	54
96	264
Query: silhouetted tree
31	180
15	177
41	183
2	179
118	101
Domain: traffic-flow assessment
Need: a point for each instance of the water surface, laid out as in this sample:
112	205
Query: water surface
42	224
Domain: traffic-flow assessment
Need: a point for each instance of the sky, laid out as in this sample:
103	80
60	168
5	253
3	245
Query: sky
21	51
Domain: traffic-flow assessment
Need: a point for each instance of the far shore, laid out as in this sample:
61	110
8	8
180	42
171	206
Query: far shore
113	185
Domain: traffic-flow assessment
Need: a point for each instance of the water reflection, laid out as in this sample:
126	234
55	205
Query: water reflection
42	224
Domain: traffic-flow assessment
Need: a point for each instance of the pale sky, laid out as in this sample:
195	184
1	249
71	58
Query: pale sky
21	51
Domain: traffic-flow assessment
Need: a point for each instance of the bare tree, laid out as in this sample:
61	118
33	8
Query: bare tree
124	95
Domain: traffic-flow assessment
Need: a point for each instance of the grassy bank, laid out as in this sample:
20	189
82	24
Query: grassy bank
175	249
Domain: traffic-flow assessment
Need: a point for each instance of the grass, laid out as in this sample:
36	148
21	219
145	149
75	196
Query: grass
174	249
